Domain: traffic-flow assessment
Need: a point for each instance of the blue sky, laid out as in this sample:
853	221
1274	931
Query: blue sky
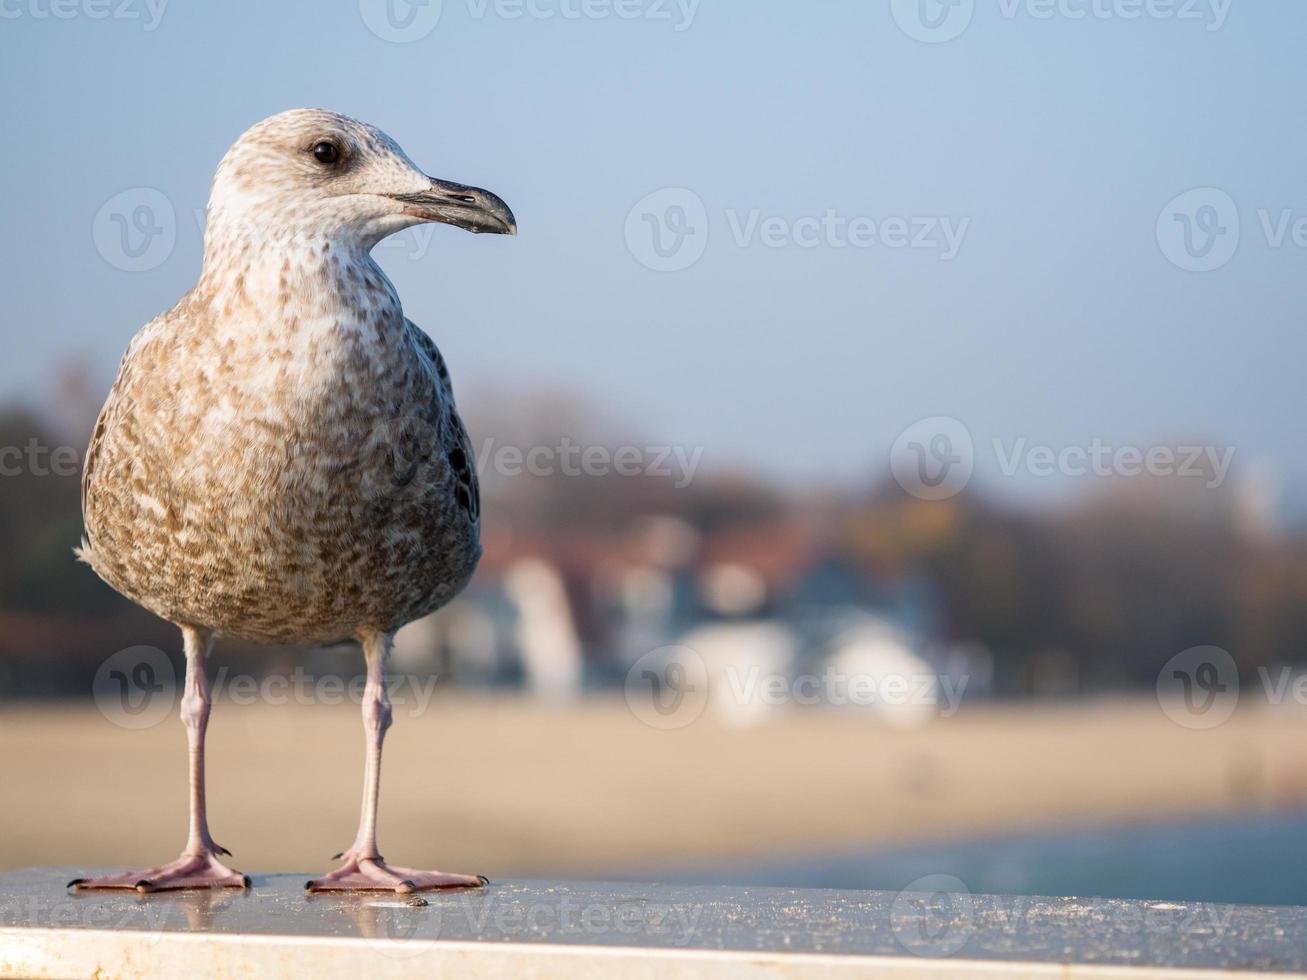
1054	140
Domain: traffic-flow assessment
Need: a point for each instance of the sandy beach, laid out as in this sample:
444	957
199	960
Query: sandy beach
505	786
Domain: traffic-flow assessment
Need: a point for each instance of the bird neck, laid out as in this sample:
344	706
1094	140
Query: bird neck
295	275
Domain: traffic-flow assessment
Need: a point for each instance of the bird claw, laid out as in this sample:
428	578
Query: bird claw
373	874
202	870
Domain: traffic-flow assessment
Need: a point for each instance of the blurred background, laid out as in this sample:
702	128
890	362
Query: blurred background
889	421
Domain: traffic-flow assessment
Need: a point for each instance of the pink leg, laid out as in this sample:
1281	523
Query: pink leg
364	869
198	866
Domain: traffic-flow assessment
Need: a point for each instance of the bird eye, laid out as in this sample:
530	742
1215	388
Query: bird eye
326	152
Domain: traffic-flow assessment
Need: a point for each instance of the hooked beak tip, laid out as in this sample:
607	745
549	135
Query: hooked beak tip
470	208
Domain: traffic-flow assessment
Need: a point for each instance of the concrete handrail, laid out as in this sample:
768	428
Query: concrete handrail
588	929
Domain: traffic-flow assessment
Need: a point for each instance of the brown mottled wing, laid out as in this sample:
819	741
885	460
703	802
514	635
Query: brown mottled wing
458	448
102	421
93	450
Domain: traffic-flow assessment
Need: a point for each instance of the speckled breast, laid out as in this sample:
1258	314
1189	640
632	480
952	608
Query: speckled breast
294	500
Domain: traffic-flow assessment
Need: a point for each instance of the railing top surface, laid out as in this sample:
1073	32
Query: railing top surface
764	924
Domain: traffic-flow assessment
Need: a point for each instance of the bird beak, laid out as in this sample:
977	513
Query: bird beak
469	208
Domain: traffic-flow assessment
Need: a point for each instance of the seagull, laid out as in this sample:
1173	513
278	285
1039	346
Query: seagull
280	458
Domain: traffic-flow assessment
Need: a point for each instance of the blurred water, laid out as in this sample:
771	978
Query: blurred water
1259	860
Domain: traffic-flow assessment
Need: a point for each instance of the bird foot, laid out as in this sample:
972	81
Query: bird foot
188	871
374	875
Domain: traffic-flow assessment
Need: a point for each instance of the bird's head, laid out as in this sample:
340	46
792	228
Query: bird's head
319	174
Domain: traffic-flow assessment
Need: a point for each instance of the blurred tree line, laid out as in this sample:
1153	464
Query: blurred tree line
1090	597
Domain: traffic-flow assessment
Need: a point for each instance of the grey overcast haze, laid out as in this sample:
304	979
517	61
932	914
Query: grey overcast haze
893	228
